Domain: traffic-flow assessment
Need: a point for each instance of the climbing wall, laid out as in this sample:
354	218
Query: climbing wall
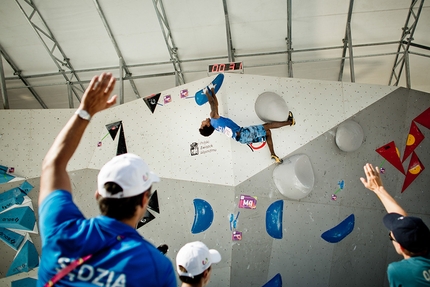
223	193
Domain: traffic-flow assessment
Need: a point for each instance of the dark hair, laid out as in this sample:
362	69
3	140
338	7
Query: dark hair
206	130
119	208
193	281
423	252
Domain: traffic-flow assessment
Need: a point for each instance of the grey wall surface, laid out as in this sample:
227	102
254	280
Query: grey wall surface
302	257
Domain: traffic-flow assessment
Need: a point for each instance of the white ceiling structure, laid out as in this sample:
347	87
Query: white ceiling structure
50	49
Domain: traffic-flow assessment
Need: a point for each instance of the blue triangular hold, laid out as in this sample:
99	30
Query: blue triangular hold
25	260
25	282
4	176
11	238
14	195
11	193
276	281
21	218
25	187
3	169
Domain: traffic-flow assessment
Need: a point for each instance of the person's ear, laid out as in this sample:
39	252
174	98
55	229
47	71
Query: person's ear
96	195
206	277
207	273
404	251
145	199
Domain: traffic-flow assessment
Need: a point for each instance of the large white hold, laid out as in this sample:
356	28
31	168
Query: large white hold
349	136
270	107
294	178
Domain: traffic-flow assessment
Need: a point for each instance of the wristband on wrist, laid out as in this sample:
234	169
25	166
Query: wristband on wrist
83	114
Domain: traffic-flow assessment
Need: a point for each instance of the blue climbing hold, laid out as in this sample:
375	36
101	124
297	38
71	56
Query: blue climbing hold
274	219
340	231
203	216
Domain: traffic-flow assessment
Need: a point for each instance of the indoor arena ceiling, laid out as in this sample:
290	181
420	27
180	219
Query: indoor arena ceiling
50	49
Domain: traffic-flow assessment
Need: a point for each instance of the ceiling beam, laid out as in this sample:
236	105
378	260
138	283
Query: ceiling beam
17	72
123	65
171	47
405	42
418	46
289	39
347	43
5	99
49	42
230	48
101	69
205	70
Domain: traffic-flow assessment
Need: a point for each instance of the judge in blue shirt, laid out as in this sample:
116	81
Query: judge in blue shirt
105	250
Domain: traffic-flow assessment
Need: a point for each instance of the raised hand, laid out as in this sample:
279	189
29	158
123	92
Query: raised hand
373	179
97	96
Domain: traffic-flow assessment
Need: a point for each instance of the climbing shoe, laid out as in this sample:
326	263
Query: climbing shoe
291	118
277	159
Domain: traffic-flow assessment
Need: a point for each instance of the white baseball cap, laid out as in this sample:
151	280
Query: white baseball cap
195	257
130	172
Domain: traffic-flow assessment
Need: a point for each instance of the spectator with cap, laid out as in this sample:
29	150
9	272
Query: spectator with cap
409	235
105	250
194	264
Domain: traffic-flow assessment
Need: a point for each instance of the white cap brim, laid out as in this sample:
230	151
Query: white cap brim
215	256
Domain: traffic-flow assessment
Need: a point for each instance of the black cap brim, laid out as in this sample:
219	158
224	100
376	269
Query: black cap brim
390	220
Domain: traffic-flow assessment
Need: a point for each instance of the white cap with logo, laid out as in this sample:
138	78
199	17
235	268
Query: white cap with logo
130	172
194	258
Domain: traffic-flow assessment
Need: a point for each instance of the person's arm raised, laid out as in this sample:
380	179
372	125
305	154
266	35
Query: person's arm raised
95	99
213	102
374	183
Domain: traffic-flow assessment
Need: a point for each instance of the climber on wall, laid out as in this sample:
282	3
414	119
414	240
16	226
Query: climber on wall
245	135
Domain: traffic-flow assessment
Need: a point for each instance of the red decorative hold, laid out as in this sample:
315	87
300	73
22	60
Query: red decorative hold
415	168
392	155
